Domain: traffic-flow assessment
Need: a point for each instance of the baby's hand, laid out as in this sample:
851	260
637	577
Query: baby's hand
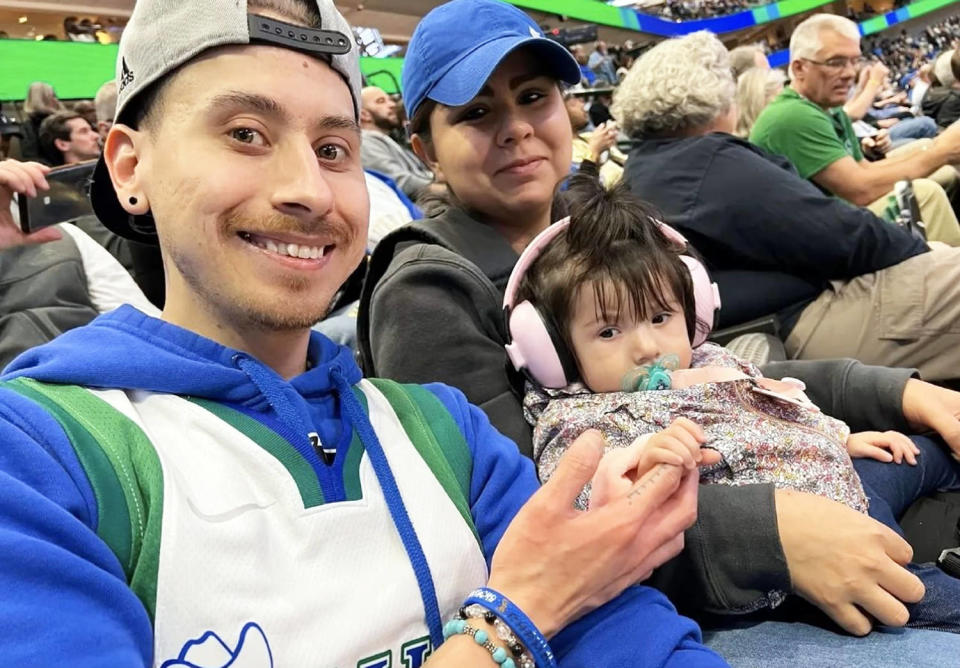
876	444
677	445
620	468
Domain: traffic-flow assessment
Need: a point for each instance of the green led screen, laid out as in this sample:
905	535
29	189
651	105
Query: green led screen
77	69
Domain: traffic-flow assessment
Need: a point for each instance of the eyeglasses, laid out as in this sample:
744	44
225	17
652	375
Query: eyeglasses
839	63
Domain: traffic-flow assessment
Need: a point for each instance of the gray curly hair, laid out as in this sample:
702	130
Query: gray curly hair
677	85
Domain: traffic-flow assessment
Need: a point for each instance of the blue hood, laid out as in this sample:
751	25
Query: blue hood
128	350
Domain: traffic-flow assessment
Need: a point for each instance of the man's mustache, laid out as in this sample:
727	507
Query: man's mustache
277	223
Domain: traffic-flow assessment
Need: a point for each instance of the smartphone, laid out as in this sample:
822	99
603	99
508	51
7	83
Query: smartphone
67	198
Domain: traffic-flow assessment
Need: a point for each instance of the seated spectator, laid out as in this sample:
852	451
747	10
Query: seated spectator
942	101
378	117
67	138
602	64
755	88
583	59
597	146
807	124
87	110
62	280
105	104
841	281
40	102
879	106
919	85
746	57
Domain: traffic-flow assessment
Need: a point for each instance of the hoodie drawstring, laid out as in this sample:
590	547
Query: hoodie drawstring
358	419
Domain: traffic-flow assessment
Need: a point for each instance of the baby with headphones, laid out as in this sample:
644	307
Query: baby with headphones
608	316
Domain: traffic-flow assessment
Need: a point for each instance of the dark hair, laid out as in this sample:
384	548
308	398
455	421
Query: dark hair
613	242
148	105
52	128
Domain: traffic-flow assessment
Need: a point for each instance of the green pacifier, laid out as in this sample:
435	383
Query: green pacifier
655	376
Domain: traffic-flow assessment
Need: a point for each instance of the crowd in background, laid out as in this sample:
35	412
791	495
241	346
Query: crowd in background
686	10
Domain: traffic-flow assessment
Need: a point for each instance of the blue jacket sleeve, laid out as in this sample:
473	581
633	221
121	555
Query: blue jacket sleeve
639	628
65	597
660	637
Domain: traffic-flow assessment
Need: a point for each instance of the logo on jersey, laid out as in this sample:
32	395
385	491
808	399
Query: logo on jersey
210	651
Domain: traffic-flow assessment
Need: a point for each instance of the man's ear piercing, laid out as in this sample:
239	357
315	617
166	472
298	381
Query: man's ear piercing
133	201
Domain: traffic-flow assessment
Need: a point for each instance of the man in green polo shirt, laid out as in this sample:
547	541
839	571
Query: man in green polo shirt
807	124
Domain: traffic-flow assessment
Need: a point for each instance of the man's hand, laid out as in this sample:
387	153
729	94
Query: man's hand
25	179
928	407
677	445
882	142
879	71
887	446
846	563
558	563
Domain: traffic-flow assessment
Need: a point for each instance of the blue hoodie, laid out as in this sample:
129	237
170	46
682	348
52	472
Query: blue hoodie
66	598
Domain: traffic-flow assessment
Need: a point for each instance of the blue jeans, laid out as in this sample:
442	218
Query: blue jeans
790	644
913	128
891	489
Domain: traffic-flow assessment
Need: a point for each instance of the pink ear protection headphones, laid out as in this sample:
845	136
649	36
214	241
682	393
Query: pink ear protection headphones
535	344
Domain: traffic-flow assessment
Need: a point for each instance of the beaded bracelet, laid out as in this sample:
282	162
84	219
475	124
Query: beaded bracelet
482	638
521	625
521	658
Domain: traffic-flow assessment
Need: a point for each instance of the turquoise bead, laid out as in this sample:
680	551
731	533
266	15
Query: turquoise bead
508	663
448	629
499	655
480	637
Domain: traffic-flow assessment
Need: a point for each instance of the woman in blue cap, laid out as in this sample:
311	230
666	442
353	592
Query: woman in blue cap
483	89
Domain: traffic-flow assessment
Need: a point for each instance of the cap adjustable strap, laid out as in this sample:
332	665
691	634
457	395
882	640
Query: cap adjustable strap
296	37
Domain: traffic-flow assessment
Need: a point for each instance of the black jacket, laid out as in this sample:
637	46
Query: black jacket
942	105
431	311
771	239
43	292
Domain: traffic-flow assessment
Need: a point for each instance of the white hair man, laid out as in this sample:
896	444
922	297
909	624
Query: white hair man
807	124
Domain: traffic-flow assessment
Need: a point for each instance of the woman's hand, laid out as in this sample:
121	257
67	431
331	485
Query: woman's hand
604	137
846	563
557	563
928	407
886	446
26	179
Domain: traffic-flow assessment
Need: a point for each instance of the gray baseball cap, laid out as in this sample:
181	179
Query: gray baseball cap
162	35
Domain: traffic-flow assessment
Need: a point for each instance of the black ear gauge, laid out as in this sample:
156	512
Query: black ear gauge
133	201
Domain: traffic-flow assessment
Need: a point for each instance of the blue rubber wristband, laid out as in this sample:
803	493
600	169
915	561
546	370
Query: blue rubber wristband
521	625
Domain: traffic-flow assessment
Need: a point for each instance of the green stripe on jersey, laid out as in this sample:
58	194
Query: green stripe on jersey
124	472
300	470
437	438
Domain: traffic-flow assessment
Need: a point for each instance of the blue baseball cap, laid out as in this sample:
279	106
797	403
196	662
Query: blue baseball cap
458	45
